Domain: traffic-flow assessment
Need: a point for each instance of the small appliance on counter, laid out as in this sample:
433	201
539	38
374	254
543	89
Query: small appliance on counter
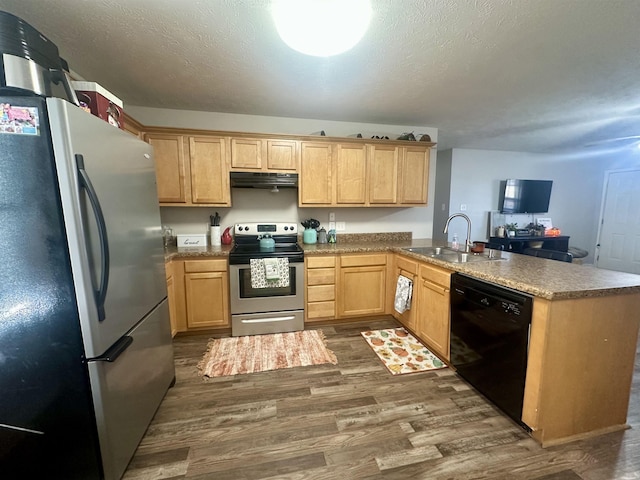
30	62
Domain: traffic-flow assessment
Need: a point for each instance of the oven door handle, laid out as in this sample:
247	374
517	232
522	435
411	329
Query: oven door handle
267	320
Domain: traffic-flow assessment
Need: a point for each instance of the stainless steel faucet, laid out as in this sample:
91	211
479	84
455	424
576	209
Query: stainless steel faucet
467	243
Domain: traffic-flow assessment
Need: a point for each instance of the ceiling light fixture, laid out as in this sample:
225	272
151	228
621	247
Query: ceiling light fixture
321	27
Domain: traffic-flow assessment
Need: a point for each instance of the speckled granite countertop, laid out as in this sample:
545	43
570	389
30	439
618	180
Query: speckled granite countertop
548	279
196	252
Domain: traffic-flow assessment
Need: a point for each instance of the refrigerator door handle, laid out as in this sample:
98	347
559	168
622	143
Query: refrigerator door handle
100	293
116	350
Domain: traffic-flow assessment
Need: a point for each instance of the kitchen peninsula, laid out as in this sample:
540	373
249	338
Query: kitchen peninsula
583	335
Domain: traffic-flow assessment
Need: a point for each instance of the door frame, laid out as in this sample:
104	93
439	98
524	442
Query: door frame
605	189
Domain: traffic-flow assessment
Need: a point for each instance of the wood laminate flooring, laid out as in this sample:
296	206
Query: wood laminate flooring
354	420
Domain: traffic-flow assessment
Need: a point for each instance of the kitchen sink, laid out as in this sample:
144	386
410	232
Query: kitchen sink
447	254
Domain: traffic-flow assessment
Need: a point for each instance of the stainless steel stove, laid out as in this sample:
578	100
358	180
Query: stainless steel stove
259	307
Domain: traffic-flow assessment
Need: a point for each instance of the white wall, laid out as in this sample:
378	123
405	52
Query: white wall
260	205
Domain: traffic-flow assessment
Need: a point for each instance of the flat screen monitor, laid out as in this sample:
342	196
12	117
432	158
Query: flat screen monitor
525	196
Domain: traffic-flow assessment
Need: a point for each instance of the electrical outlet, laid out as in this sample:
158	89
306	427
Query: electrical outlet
463	207
332	225
332	216
341	226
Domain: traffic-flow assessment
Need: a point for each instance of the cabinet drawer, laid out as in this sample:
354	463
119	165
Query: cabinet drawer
406	265
362	260
321	276
436	275
321	310
321	262
321	293
195	266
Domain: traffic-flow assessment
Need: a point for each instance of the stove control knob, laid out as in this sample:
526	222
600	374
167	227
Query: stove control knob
292	228
246	229
286	228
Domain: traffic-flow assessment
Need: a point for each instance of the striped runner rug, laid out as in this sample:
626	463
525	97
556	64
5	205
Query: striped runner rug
259	353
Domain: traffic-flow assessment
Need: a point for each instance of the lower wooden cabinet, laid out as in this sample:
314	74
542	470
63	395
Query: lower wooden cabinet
171	298
200	290
206	285
320	281
409	269
433	323
362	285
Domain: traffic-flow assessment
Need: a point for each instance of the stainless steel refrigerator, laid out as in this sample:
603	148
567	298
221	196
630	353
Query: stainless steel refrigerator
85	342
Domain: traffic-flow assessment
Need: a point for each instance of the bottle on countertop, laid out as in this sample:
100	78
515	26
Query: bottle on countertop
455	244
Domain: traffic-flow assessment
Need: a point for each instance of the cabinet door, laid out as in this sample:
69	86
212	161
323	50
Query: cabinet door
362	291
414	176
362	285
207	299
316	181
247	153
209	172
409	269
282	155
168	153
383	174
433	322
171	298
350	168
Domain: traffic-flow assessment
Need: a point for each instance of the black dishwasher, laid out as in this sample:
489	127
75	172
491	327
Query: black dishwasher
490	340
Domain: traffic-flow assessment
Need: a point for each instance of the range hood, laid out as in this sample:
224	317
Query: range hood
263	180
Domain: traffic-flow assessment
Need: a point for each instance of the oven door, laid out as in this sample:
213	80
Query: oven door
246	299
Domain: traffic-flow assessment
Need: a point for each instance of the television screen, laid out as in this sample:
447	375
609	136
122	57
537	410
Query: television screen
525	196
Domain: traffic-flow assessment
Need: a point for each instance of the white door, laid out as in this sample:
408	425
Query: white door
619	233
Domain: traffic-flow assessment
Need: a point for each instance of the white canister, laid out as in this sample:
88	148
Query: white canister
500	232
215	236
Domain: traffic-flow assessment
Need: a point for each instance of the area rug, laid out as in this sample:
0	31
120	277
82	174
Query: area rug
259	353
401	352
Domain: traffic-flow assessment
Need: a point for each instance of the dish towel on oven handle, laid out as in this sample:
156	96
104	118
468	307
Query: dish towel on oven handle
404	291
269	272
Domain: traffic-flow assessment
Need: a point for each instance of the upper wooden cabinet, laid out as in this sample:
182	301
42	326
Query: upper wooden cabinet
350	166
255	154
209	171
191	170
247	154
414	175
193	167
341	174
316	181
168	153
283	155
383	174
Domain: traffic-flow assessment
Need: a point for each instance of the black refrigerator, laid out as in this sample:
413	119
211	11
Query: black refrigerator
85	343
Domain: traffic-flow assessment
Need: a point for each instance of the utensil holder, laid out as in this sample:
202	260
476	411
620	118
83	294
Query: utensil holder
215	236
309	236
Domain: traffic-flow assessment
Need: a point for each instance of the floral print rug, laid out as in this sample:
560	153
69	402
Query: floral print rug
401	352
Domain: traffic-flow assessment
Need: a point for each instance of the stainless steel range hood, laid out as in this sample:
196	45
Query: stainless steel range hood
263	180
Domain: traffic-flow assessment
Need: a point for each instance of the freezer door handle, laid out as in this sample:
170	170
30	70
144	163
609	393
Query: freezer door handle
100	293
116	350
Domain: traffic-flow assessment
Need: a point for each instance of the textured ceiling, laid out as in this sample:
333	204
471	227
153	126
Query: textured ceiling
522	75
